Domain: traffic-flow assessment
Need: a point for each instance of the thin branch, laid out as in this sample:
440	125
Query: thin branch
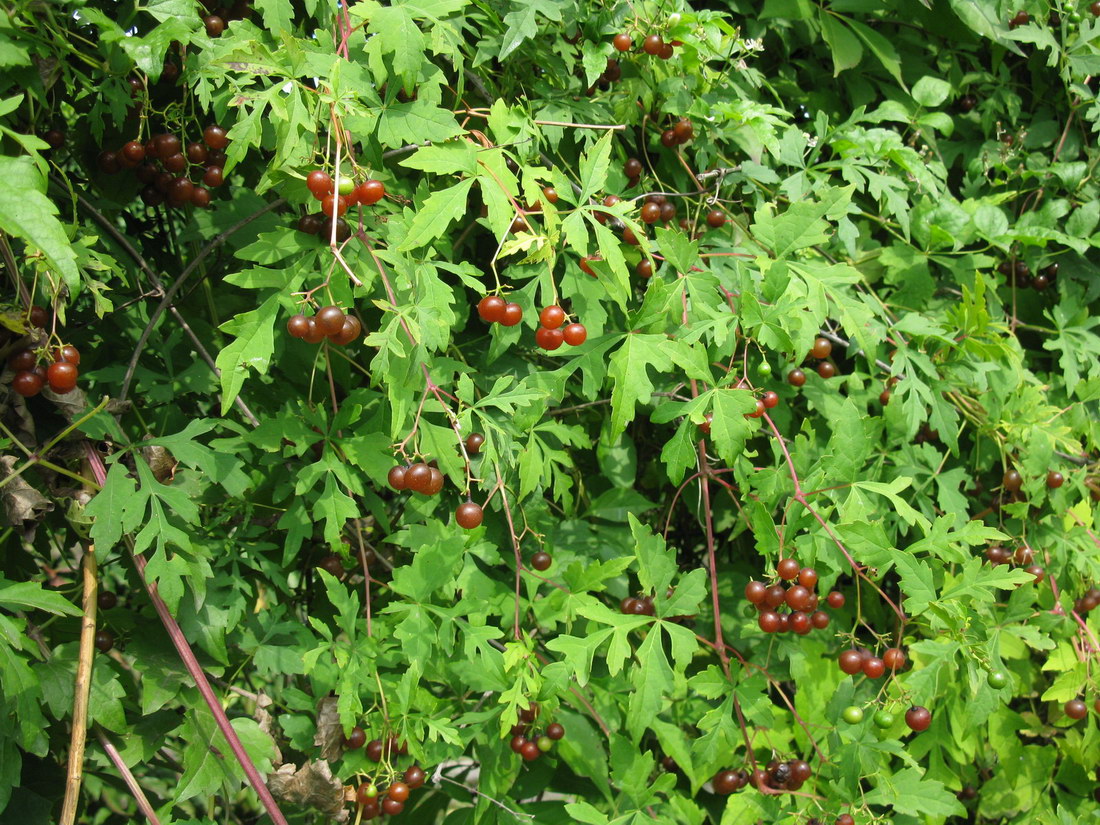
170	293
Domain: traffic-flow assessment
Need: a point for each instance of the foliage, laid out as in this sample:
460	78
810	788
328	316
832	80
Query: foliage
905	189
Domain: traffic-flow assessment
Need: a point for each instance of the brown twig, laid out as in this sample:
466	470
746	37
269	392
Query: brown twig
81	691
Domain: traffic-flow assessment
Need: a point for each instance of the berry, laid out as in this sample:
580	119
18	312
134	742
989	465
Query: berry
396	477
544	743
165	146
1037	572
666	51
800	623
330	320
851	662
38	317
214	25
651	213
623	42
826	370
530	752
337	203
797	597
918	718
213	177
104	640
391	807
644	268
893	658
835	599
550	193
435	482
821	349
517	742
759	411
807	576
653	44
133	151
725	782
552	316
348	332
200	197
883	719
776	595
513	314
343	231
491	309
549	339
1075	709
474	441
705	426
555	731
1054	478
355	739
575	334
769	621
369	192
398	791
468	515
716	219
668	138
366	793
62	377
755	592
845	819
1012	481
195	151
632	168
297	325
414	776
585	267
787	569
418	478
684	132
819	619
374	750
319	183
996	679
873	667
541	561
106	600
308	223
27	383
796	377
852	714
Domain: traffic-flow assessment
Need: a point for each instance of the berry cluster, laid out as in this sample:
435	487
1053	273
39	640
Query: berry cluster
1023	556
219	15
1019	273
855	660
419	477
367	193
389	799
819	352
329	322
166	166
550	335
31	376
1089	602
492	309
678	134
529	742
653	45
800	598
917	718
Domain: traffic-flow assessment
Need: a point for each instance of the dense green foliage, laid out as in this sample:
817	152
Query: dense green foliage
906	190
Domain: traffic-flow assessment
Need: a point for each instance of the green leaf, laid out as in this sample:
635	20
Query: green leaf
436	213
844	46
252	349
930	91
909	792
27	213
30	595
593	167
